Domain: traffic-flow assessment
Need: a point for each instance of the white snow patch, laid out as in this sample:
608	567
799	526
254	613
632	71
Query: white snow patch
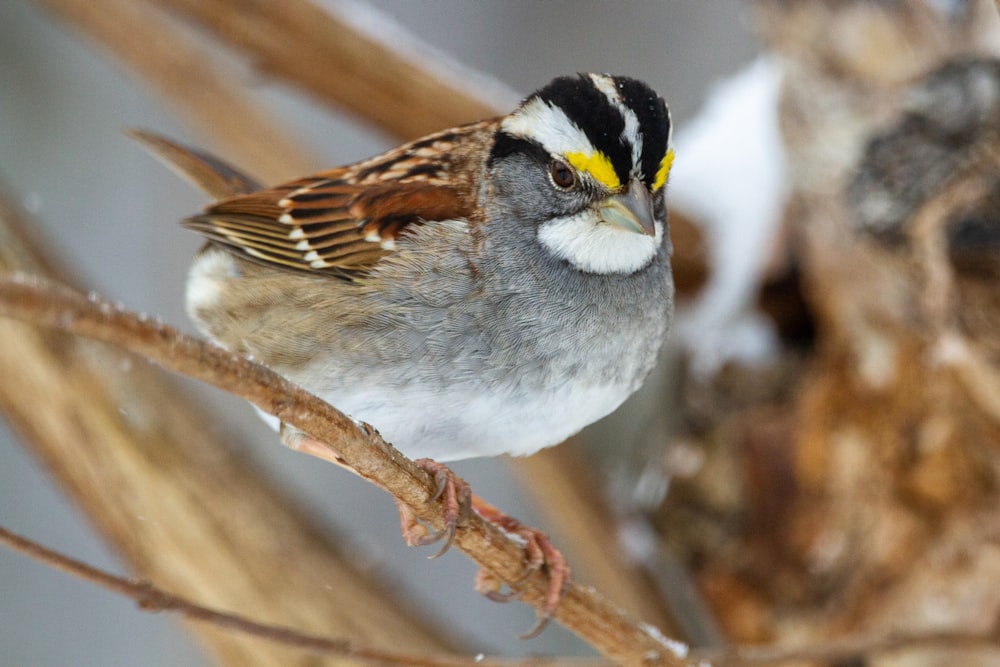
730	175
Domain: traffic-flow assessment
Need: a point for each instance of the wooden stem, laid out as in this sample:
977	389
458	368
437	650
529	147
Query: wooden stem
582	609
182	507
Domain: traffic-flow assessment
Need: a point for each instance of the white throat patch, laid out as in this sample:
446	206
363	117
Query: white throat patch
593	246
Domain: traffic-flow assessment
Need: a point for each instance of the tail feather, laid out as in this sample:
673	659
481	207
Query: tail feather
208	173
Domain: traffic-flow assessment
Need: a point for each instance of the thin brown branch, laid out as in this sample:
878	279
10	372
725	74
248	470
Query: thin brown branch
561	479
153	599
582	610
189	509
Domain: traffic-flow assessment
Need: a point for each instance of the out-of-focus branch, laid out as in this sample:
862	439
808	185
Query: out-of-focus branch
187	510
166	56
582	609
151	598
856	484
402	87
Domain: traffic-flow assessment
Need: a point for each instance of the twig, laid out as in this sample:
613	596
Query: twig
153	599
582	609
189	509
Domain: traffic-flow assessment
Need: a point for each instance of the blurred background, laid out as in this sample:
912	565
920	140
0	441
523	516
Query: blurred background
109	211
816	463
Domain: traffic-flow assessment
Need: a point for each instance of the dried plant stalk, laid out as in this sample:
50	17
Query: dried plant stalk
183	508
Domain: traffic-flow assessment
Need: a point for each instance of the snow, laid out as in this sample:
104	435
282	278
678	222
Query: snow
730	176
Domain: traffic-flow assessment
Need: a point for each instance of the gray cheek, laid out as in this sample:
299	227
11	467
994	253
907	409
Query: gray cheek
524	192
515	196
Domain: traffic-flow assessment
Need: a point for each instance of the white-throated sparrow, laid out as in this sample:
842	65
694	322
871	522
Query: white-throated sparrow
492	288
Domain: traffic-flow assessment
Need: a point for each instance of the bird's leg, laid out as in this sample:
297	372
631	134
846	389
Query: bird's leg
458	500
449	486
297	441
540	552
538	548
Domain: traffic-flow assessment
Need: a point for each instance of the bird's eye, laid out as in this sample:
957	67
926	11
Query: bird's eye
562	175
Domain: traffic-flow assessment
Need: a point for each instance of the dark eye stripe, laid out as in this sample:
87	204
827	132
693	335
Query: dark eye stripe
505	145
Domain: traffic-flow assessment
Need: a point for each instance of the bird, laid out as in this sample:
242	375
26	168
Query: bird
488	289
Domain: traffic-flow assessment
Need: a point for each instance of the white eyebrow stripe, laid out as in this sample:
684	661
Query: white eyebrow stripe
549	126
630	134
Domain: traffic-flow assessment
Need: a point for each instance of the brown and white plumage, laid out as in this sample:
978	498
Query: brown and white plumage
490	288
344	220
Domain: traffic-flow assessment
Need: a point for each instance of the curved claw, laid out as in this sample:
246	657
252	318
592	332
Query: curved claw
488	585
502	598
441	477
559	574
457	505
447	534
540	625
540	554
428	539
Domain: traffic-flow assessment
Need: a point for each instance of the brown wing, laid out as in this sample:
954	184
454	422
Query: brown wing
344	220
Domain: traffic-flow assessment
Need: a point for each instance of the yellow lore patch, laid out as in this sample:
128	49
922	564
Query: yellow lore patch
664	170
597	165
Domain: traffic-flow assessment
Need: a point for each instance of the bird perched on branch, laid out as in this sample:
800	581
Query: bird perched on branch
491	288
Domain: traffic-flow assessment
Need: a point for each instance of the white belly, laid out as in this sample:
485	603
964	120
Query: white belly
455	426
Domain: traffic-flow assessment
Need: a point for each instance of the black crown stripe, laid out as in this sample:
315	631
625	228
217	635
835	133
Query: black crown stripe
593	113
602	122
654	122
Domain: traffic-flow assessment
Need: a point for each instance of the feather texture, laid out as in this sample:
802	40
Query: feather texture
343	221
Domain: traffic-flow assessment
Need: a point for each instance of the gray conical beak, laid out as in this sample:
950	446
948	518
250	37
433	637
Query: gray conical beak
631	210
